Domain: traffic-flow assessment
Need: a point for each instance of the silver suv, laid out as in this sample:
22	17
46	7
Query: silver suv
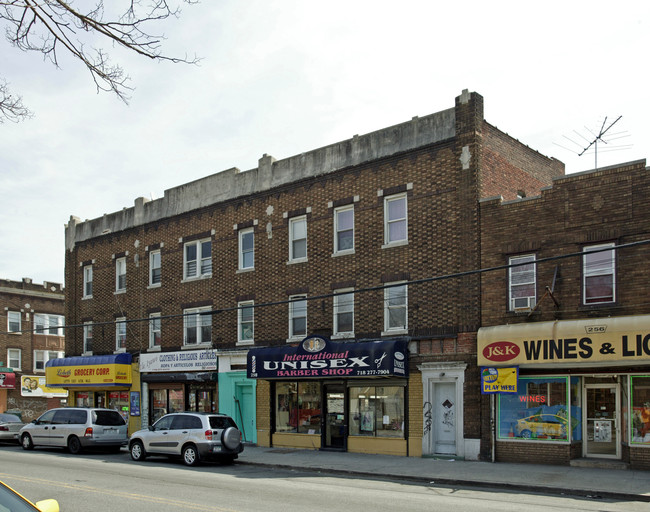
193	436
76	428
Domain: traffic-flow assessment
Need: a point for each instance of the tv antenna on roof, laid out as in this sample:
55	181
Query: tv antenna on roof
597	137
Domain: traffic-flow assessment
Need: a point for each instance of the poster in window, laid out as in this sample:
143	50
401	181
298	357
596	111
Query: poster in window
135	403
368	421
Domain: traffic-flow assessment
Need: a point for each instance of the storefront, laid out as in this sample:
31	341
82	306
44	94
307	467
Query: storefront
97	381
334	396
582	389
7	381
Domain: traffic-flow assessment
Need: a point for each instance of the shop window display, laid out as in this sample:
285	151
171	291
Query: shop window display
539	411
640	418
377	411
298	407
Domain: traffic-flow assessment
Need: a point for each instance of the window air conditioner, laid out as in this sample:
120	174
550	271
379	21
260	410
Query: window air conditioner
523	303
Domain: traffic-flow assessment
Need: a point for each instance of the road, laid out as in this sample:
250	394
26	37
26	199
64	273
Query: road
111	482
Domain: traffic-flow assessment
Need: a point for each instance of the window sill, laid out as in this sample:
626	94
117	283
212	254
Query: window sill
198	278
86	354
295	339
157	348
343	253
119	292
196	345
244	270
297	260
86	297
399	243
151	286
342	336
393	332
244	343
120	351
15	333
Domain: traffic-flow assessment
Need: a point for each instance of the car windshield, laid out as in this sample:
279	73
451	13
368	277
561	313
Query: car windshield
11	501
218	422
9	418
109	418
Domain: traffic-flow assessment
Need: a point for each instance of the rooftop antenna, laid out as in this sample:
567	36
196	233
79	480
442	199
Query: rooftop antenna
597	137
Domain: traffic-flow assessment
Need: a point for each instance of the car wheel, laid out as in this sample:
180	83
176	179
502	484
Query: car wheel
74	445
231	438
190	455
527	434
26	442
137	451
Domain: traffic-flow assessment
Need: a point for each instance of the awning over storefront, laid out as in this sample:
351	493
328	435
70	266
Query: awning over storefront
318	357
615	341
92	371
7	378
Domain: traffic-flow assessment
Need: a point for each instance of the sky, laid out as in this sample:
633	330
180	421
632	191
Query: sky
286	77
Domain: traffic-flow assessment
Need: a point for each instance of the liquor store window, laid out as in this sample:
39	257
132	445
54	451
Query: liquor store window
540	410
640	419
298	407
377	411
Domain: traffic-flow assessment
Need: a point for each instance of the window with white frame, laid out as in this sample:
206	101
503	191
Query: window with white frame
120	333
41	357
120	274
343	313
344	229
88	337
14	358
198	326
522	282
88	281
155	269
246	322
198	259
14	321
395	308
155	330
48	324
297	316
298	239
395	219
246	249
599	274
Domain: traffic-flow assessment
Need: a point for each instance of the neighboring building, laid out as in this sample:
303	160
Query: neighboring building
333	260
571	311
31	334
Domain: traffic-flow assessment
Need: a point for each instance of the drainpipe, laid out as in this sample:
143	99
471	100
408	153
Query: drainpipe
492	427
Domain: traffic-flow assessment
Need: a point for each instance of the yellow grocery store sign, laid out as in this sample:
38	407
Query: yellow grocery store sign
498	380
88	371
594	342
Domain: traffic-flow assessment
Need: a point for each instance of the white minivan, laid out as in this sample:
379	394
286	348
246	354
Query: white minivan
76	428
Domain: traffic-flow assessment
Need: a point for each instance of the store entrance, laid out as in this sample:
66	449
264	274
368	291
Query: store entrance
335	431
601	421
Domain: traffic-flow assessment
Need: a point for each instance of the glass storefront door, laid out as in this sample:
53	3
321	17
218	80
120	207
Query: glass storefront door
601	421
335	424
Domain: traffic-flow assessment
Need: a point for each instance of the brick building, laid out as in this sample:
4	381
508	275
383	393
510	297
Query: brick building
31	334
352	258
571	311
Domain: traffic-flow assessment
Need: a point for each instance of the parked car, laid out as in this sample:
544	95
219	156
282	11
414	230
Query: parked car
10	425
76	428
15	502
193	436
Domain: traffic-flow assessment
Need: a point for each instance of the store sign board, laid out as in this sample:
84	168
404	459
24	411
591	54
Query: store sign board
599	341
92	371
185	361
7	380
318	357
499	380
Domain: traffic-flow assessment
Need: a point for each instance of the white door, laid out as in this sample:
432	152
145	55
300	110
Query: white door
444	418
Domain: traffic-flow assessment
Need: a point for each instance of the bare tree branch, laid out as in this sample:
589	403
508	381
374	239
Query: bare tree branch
11	107
52	26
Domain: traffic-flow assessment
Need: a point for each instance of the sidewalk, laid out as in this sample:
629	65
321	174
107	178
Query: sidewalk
604	483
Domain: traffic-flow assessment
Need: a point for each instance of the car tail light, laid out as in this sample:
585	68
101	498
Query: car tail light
89	432
208	435
4	429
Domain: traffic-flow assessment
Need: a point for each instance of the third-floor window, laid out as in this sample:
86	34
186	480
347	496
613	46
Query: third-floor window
298	239
246	249
120	274
344	229
198	259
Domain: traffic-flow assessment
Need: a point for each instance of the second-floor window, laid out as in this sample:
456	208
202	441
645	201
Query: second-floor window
344	229
198	326
120	333
297	316
246	322
14	358
13	321
395	308
343	312
395	219
298	239
48	324
522	282
120	274
155	271
599	274
41	357
246	249
155	330
88	337
88	281
198	259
